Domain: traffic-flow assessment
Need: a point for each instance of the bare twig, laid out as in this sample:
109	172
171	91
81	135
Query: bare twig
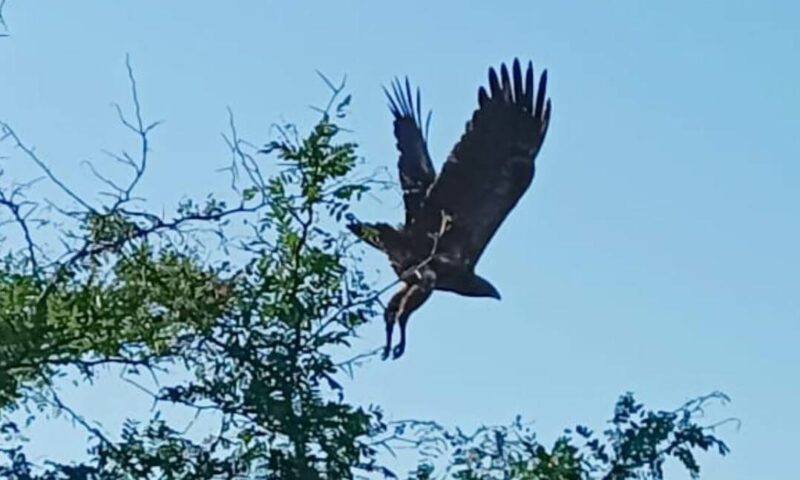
60	406
21	219
247	161
358	360
8	133
336	91
141	130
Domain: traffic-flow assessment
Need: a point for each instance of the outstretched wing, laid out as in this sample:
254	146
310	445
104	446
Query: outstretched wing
491	166
414	166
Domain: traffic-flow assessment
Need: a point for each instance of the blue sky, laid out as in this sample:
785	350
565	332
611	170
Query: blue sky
656	251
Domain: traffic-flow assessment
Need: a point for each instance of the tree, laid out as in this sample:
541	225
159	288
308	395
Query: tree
256	339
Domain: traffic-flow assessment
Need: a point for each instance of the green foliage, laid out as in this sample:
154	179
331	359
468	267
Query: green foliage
251	340
636	445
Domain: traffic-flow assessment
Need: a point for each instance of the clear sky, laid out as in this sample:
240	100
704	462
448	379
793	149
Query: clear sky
656	252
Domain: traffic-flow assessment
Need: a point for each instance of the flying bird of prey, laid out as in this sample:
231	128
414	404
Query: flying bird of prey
451	218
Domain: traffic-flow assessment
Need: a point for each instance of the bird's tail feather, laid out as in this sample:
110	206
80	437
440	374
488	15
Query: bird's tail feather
382	236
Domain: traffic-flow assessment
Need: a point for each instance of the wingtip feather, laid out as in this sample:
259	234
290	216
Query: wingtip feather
541	93
419	106
506	82
483	97
427	125
409	99
518	91
494	84
392	105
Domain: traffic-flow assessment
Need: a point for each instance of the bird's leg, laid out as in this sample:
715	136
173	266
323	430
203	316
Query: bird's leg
389	317
400	348
411	300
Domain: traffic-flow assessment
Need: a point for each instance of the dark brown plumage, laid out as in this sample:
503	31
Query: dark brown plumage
451	218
